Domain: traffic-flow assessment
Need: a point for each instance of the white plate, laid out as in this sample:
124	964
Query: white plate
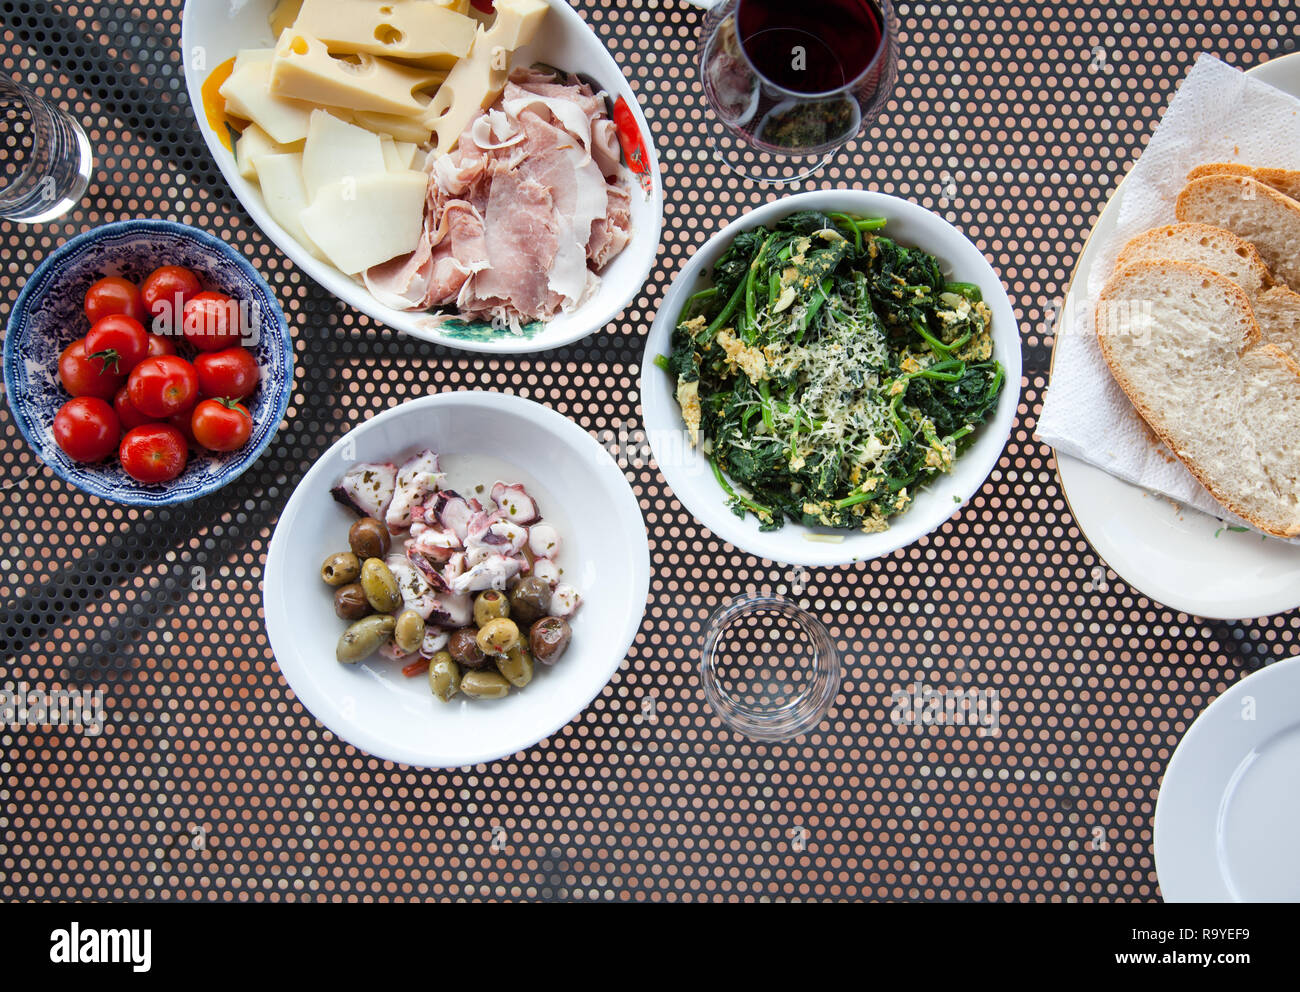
688	471
1225	827
1174	555
604	554
214	30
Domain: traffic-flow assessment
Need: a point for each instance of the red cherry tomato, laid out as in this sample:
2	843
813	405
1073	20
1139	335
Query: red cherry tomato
159	345
87	429
126	412
159	387
171	286
153	453
211	322
221	425
113	295
232	373
119	341
183	422
82	375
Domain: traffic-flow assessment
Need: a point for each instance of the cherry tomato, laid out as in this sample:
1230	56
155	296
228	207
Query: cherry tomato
87	429
162	386
221	425
172	286
211	322
82	375
126	412
119	341
153	453
232	373
183	422
159	345
113	295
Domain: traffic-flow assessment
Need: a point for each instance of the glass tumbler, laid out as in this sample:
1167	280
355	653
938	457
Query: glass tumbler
45	158
768	668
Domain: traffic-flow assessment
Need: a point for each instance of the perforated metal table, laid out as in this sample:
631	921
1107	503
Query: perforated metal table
210	781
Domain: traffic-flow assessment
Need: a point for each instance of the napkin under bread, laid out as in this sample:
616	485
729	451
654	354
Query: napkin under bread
1219	114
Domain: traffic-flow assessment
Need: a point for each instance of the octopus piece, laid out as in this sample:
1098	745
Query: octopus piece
514	503
367	489
416	479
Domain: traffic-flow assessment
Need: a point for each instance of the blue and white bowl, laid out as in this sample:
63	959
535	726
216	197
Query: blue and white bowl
48	316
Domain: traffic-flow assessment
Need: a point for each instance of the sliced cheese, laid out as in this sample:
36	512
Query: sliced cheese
366	222
304	69
476	81
398	155
411	129
254	142
283	15
247	94
247	56
337	151
420	31
285	195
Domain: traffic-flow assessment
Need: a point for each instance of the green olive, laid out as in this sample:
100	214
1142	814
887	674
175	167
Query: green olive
350	602
409	631
368	538
530	600
517	666
340	569
489	606
380	586
463	645
484	685
498	636
549	639
364	638
444	676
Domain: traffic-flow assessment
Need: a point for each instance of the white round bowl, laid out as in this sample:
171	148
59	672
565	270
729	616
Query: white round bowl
688	471
605	555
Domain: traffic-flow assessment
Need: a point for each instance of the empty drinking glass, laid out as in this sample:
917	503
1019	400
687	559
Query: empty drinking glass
45	159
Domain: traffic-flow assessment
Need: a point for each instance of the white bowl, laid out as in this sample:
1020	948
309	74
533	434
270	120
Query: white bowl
213	31
688	472
605	555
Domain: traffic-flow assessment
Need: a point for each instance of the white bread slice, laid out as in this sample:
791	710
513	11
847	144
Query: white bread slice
1182	342
1277	311
1218	250
1260	214
1285	181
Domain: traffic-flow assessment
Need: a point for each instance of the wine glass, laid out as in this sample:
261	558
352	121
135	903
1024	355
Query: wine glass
790	82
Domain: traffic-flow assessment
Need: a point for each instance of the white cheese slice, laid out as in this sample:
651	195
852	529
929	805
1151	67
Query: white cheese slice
254	142
419	31
398	155
248	95
303	69
336	150
285	195
410	129
366	222
475	82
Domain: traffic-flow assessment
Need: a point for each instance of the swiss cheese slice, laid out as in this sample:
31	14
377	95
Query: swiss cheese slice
412	30
304	69
363	223
336	151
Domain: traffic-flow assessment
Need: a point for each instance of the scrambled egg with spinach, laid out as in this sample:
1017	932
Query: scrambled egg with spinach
829	372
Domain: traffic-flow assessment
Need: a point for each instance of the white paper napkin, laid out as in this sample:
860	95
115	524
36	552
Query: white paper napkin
1219	114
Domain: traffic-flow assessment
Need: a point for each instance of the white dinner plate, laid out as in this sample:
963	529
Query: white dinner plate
213	31
1176	555
1225	827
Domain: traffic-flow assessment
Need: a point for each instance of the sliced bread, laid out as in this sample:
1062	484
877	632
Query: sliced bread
1260	214
1183	344
1277	311
1285	181
1218	250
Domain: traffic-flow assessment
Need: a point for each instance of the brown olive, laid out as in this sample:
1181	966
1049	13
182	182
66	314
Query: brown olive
350	602
530	600
340	569
463	647
490	605
369	538
549	639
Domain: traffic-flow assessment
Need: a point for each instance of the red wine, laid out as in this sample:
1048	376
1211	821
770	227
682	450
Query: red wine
810	46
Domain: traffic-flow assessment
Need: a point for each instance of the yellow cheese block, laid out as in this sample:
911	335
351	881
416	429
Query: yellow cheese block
303	69
254	142
413	30
283	15
248	95
363	222
476	81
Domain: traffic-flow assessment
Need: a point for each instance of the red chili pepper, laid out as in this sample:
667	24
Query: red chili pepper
417	667
629	137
